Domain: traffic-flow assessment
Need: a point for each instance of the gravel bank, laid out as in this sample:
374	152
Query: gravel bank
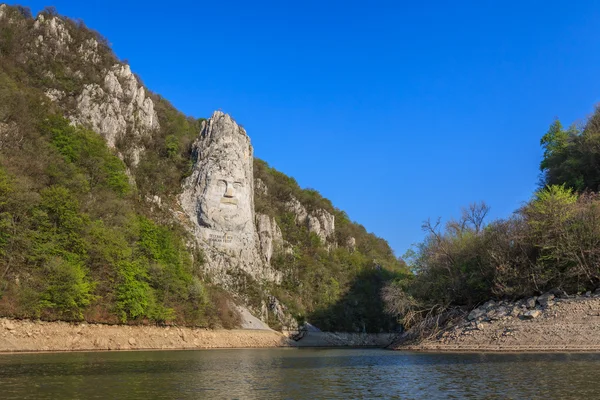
26	335
544	324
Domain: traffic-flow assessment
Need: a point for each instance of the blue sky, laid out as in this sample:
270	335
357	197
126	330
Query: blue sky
396	111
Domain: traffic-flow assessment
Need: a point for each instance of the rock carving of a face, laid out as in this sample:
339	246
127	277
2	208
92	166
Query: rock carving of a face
225	204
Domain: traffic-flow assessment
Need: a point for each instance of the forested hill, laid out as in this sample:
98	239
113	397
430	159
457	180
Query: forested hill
91	166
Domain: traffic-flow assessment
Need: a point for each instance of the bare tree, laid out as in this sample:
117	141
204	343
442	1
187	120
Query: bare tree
475	214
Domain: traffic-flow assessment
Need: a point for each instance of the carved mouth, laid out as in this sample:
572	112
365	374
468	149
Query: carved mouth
229	200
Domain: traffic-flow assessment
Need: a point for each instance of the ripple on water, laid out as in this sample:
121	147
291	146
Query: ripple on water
297	374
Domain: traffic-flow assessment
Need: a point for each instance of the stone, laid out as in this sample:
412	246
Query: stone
269	235
588	294
9	326
117	107
500	312
54	95
279	311
489	304
322	223
475	314
531	314
530	302
294	206
546	300
55	29
131	341
218	199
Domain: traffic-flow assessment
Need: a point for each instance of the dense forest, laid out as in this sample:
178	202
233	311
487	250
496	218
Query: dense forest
550	243
82	236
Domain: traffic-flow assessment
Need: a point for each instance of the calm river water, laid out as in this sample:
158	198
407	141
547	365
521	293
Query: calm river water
298	374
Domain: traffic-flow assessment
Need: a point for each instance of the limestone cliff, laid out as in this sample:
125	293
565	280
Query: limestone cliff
104	95
218	198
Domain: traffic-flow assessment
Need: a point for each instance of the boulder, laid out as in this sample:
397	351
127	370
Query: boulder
531	314
475	314
546	300
530	302
489	304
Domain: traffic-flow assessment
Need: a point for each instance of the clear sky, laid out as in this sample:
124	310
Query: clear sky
396	111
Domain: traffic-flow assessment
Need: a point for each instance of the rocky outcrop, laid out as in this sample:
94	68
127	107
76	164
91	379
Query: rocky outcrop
294	206
269	236
280	313
218	198
117	107
319	222
110	101
53	36
322	223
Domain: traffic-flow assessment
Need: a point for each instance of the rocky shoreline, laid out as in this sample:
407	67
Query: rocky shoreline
552	322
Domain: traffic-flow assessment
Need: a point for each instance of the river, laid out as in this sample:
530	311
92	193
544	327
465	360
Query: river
297	374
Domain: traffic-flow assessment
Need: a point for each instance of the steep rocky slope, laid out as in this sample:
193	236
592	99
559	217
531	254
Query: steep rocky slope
168	218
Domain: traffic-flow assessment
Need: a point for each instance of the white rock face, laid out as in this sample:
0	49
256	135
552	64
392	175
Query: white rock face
218	198
55	94
120	106
322	223
269	235
89	51
2	10
294	206
54	29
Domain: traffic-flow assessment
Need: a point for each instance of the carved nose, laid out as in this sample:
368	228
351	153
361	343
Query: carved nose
229	191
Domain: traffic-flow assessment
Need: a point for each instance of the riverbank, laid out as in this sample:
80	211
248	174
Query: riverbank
43	336
538	324
30	336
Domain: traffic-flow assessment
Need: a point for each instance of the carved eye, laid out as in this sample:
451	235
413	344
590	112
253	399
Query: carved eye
237	185
221	183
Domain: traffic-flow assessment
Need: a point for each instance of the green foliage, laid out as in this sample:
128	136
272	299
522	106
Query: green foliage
572	156
68	290
73	241
5	216
133	291
166	160
88	151
337	289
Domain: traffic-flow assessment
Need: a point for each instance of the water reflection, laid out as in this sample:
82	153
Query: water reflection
297	374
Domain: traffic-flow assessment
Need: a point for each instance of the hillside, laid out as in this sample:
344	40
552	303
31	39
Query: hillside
115	207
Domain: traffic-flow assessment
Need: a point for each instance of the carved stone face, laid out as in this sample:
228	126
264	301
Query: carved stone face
225	204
